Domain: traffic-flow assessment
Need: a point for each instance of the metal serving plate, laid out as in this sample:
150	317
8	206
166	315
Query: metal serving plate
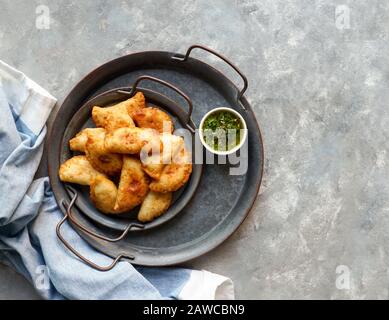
222	201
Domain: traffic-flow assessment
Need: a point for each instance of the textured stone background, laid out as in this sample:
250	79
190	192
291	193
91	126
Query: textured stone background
320	93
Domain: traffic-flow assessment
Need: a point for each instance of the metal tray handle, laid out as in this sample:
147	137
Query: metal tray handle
183	58
169	85
69	216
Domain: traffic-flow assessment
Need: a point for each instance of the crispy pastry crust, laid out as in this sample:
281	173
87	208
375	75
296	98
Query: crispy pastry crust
174	175
154	205
118	115
132	140
154	118
97	155
77	170
133	185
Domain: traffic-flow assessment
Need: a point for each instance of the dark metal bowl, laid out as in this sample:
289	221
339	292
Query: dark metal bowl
82	119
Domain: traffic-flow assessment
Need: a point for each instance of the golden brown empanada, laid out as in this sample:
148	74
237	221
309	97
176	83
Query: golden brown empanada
136	103
118	115
154	205
133	185
154	163
77	170
112	118
132	140
174	175
103	193
99	158
79	141
154	118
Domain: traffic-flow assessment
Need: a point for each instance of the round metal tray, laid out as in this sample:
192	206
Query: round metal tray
221	202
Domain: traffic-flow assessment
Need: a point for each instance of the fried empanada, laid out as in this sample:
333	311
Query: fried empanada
78	170
133	185
154	205
118	115
171	146
103	194
132	140
154	118
136	103
174	175
112	118
79	141
153	164
99	158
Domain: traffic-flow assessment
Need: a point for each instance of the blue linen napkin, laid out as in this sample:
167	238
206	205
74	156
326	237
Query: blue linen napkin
29	215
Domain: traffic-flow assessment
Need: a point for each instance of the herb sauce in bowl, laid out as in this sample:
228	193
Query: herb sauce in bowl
222	131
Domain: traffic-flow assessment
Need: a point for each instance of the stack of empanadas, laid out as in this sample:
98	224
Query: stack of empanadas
134	145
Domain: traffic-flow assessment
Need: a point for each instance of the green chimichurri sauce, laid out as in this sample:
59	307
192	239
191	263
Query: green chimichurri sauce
221	130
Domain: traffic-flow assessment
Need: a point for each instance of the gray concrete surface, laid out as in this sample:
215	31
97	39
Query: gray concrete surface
320	91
